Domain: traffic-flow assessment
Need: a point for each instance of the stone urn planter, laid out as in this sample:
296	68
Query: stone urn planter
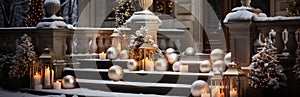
145	4
51	7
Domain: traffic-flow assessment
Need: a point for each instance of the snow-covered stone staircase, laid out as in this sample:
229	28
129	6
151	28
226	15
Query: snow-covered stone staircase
93	74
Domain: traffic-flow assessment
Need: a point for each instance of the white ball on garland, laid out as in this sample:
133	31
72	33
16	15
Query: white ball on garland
205	66
227	59
176	66
112	53
115	73
173	58
132	65
199	87
217	54
219	65
169	51
189	51
68	82
161	65
124	54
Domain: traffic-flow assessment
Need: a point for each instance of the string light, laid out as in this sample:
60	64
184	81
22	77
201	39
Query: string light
123	12
35	13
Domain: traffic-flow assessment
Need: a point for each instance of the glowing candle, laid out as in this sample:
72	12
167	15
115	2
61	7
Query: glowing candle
149	65
37	79
183	68
57	85
102	56
216	92
38	87
233	93
205	94
47	81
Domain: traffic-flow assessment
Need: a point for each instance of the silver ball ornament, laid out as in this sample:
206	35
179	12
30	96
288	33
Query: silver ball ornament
205	66
132	65
219	65
68	82
173	58
169	51
227	59
115	73
176	66
124	54
161	65
199	87
112	53
190	51
217	54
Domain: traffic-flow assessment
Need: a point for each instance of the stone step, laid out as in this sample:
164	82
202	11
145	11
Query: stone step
136	87
140	76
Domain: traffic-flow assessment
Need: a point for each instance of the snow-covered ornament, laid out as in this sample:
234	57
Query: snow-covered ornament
189	51
115	73
205	66
68	82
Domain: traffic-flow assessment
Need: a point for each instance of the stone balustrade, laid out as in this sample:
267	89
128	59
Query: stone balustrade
75	41
246	28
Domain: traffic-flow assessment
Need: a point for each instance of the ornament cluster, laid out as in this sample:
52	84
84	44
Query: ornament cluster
294	8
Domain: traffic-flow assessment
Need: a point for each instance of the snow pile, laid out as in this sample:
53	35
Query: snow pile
246	14
6	93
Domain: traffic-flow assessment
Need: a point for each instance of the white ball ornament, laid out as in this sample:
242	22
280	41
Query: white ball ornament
112	53
227	59
199	87
115	73
169	51
68	82
217	54
132	65
173	58
205	66
219	65
124	54
190	51
161	65
176	66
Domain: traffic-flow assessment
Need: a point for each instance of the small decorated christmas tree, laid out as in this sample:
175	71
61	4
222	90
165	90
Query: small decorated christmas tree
24	56
265	70
294	8
123	11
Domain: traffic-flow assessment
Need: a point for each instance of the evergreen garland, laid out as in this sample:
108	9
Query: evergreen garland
123	12
265	70
294	8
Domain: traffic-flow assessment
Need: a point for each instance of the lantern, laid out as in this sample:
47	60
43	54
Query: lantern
216	85
234	81
47	72
147	51
116	40
35	77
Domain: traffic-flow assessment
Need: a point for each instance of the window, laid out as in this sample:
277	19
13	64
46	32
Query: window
163	7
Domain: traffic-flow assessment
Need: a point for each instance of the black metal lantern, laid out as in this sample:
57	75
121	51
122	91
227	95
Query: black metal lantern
234	81
147	50
47	72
